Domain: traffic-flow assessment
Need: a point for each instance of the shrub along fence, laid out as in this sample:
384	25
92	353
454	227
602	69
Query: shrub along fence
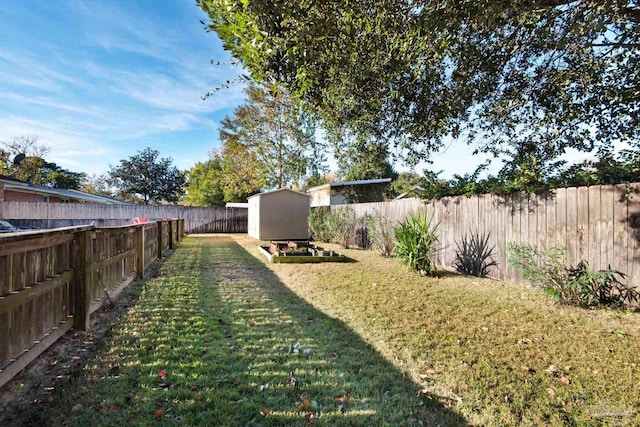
52	280
53	215
598	224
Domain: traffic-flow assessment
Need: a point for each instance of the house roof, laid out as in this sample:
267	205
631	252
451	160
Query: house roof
23	186
351	183
416	189
277	191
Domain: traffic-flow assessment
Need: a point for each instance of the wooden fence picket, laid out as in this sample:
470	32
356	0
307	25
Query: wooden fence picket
598	224
52	280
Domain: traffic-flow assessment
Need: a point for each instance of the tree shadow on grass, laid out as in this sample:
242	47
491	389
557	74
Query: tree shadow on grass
217	339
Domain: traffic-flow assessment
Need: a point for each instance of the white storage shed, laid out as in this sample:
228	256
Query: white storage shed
279	215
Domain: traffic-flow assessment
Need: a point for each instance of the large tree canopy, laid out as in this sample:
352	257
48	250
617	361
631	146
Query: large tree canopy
24	158
555	73
148	177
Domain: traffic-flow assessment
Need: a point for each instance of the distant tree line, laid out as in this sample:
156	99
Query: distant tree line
527	174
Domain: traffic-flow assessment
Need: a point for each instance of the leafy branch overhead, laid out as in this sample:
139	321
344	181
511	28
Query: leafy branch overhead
553	73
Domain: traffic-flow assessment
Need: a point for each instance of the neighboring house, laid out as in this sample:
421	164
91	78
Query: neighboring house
236	205
341	193
12	189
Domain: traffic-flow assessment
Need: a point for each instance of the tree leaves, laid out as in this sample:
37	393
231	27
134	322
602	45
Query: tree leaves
144	175
549	74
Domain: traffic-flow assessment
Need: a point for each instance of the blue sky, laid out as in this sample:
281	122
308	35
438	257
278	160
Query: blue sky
98	81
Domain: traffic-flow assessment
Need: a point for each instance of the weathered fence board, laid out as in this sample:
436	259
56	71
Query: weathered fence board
598	224
54	215
52	280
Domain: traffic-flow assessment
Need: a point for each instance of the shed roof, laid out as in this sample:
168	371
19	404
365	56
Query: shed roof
277	191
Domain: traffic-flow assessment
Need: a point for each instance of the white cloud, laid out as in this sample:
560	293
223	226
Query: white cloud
20	69
174	92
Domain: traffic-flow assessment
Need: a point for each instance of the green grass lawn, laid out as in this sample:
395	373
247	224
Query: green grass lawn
504	353
221	338
217	339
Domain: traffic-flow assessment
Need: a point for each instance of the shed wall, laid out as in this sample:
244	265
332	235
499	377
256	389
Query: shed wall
253	226
279	215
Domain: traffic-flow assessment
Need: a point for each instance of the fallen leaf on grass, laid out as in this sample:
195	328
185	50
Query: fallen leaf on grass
305	404
159	414
344	396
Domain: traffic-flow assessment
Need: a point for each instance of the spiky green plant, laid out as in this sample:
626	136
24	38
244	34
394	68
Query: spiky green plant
474	256
415	240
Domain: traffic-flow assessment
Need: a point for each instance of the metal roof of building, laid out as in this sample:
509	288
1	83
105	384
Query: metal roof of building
18	185
351	183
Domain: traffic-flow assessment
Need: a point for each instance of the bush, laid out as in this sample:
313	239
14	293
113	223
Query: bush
571	285
414	242
473	255
332	227
318	224
380	234
342	226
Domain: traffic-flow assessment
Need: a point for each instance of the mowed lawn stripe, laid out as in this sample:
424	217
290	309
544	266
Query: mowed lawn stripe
217	339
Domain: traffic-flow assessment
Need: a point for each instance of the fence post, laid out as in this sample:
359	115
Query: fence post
159	223
171	222
140	251
81	279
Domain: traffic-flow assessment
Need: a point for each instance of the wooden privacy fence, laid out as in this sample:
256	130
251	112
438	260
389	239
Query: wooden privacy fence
52	280
599	224
53	215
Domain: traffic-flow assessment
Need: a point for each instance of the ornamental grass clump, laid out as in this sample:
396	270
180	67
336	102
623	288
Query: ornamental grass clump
572	285
415	240
474	256
380	233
